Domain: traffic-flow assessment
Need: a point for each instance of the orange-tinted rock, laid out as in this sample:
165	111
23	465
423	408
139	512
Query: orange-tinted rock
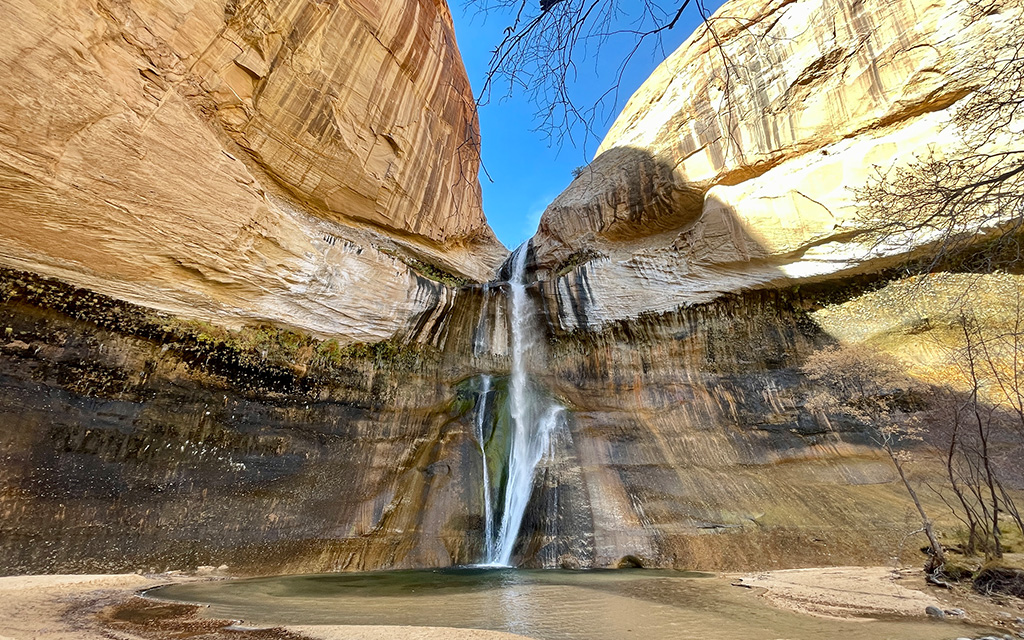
246	161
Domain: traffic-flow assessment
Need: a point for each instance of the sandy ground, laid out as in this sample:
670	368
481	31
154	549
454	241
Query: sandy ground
863	592
842	591
66	607
40	607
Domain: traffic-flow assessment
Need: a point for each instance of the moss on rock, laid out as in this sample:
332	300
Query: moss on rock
259	355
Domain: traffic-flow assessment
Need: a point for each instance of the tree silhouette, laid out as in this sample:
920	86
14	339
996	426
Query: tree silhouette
873	388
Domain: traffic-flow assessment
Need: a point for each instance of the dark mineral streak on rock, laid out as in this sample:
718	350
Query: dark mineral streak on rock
128	445
674	284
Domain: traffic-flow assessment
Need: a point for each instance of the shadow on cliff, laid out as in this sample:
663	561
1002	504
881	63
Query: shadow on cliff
673	243
676	368
688	416
695	389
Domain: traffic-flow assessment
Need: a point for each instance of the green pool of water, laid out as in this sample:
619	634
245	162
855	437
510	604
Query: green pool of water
546	605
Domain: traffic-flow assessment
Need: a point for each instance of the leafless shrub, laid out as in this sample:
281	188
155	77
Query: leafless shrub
953	196
874	389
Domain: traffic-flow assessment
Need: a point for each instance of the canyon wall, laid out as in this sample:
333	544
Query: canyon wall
298	162
736	165
137	441
713	244
242	318
234	238
690	442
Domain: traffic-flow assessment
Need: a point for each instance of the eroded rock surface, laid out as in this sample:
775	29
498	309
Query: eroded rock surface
686	443
258	162
711	246
279	161
138	441
734	166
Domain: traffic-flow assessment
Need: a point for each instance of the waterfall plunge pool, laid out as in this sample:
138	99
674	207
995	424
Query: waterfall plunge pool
543	604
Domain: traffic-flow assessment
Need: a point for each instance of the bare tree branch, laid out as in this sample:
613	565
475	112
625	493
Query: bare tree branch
546	41
953	197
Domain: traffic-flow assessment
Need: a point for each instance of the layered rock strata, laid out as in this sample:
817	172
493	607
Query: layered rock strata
735	166
690	442
292	161
135	439
712	245
686	444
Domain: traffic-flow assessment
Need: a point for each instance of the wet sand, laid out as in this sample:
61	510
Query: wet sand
62	607
80	607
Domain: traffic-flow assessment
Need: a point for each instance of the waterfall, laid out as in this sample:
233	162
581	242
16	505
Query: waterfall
481	335
528	447
533	420
481	436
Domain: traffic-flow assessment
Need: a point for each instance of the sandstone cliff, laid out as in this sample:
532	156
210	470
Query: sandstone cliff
134	441
734	166
683	281
711	246
299	162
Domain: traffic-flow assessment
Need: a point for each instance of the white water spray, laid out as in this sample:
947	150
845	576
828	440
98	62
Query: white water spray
531	424
481	416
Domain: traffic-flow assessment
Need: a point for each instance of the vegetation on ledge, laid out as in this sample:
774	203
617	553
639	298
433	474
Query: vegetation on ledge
263	355
427	270
575	260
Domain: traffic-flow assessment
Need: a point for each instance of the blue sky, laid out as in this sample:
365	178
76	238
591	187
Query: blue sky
529	171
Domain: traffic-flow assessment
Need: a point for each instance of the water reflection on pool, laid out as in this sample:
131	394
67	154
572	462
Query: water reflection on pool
547	605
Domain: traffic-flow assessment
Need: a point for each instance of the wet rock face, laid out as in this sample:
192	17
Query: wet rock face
243	160
128	444
679	271
690	443
688	446
734	166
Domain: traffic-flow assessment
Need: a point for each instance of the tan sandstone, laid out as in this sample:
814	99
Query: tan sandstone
244	161
734	166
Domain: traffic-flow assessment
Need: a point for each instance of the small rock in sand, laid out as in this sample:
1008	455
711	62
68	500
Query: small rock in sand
934	612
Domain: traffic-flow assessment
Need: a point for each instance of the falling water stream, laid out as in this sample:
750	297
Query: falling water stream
533	418
481	438
547	605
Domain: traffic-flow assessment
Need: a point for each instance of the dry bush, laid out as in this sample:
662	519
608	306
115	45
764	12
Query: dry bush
874	389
